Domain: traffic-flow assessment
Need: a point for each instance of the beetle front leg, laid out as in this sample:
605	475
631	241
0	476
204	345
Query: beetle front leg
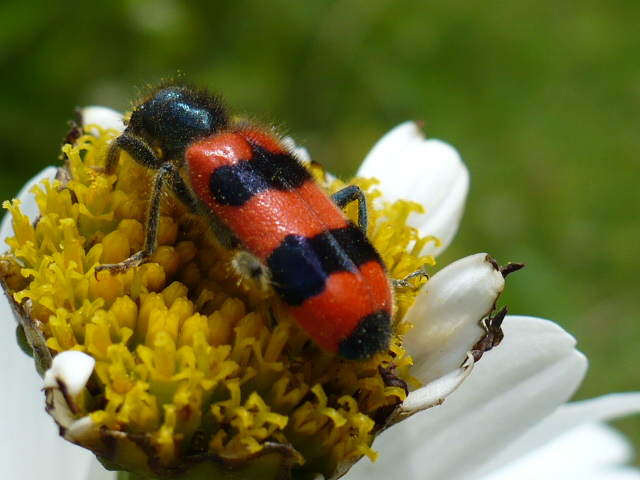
166	172
138	149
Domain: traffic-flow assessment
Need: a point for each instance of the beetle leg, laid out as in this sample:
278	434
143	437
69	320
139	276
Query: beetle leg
166	171
405	281
247	265
350	194
139	150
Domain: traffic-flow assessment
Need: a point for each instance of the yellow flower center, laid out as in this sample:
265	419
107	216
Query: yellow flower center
191	359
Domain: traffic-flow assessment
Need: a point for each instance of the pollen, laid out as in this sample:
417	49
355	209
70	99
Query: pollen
195	364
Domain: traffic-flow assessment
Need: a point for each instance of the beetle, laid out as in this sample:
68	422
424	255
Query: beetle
262	202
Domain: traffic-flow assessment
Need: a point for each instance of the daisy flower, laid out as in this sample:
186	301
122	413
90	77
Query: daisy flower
177	368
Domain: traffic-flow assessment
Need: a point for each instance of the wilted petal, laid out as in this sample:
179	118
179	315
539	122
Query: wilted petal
70	369
447	313
535	369
63	383
429	172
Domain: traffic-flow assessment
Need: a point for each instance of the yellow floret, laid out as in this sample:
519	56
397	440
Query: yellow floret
190	357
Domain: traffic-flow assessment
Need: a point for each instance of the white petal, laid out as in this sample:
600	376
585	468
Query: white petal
534	369
103	117
566	418
95	471
590	452
32	446
447	313
71	368
28	207
301	153
429	172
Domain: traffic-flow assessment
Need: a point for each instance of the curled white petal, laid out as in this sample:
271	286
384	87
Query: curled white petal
437	391
71	369
535	369
28	206
429	172
103	117
447	313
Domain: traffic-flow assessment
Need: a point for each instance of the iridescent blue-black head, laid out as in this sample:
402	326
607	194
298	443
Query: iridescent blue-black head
175	116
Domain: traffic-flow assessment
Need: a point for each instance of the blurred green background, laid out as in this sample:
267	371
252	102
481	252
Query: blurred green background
542	99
